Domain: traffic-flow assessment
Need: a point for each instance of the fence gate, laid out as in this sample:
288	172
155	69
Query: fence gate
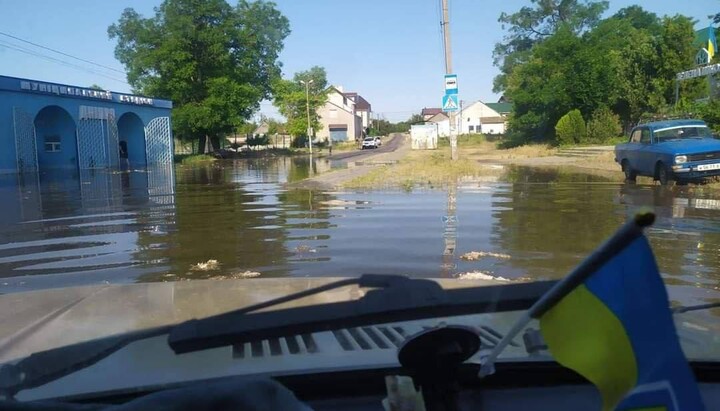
25	144
97	138
158	141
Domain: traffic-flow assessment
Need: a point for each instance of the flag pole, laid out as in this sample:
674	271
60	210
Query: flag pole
630	231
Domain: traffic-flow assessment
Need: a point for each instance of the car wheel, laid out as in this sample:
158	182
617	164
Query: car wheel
630	174
663	175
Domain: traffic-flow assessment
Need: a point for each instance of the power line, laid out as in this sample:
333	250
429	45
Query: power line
63	62
62	53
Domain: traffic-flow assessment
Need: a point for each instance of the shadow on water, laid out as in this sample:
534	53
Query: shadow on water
232	219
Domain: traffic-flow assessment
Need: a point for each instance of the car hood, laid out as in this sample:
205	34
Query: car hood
41	320
690	146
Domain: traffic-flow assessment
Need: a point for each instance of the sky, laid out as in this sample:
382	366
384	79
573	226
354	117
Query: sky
389	51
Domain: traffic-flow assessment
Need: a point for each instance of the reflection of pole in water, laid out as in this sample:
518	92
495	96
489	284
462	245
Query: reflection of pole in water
450	232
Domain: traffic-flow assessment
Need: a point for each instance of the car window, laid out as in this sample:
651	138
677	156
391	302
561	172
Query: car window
635	138
645	136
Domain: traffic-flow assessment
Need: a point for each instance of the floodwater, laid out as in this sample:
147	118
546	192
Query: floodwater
155	225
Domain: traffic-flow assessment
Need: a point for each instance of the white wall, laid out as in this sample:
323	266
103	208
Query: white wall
493	128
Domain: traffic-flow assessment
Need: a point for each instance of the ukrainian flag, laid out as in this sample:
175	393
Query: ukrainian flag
712	42
616	330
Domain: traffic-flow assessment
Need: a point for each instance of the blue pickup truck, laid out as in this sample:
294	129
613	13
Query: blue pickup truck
672	150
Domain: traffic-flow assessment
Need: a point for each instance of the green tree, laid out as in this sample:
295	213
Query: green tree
216	62
532	25
570	129
603	125
290	99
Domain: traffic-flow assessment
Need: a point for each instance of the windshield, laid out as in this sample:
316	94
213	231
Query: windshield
175	159
678	133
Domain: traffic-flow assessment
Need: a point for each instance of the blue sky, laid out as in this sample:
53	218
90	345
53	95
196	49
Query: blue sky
390	51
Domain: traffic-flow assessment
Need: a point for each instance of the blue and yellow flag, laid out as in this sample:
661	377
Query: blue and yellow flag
712	42
616	330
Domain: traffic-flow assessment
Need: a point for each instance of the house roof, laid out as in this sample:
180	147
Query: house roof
430	111
360	103
441	116
502	108
701	37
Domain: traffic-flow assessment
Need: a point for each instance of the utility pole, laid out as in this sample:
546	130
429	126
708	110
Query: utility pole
448	70
307	106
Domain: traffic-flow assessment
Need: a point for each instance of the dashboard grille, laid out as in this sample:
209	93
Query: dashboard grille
385	337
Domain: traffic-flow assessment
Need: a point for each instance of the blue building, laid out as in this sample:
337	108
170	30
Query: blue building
48	126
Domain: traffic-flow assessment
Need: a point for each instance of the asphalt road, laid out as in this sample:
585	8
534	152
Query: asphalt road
387	146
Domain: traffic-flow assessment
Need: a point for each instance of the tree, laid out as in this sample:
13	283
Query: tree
570	129
532	25
214	61
603	125
290	99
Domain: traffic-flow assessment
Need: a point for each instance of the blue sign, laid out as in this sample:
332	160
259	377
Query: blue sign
451	85
450	102
63	90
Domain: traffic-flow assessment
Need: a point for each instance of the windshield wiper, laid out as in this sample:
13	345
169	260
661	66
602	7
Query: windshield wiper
699	307
399	299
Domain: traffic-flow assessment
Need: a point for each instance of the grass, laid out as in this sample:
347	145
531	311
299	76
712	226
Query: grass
464	140
339	147
422	168
190	159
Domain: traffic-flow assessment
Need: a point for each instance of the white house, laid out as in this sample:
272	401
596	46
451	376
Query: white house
479	117
338	118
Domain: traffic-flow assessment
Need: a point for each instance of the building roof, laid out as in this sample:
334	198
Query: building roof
502	108
360	103
701	37
441	116
430	111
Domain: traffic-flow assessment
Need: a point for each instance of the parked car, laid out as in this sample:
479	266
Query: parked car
369	142
672	150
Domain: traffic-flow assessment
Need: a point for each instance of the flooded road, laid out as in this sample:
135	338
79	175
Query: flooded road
235	219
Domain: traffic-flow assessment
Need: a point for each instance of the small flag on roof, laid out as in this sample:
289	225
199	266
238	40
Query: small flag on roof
610	321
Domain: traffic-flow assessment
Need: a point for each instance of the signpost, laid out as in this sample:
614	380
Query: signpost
451	86
450	103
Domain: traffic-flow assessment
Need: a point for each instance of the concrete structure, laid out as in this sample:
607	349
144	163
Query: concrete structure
46	126
423	136
479	117
339	118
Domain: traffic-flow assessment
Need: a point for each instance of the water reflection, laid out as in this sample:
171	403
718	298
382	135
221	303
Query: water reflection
232	218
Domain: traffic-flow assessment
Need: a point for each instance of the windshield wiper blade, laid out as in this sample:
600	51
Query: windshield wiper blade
46	366
400	299
699	307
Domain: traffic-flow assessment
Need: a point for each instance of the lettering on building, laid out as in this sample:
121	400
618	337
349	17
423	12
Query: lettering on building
48	88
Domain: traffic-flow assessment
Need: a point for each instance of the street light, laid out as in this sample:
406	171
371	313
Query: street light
307	106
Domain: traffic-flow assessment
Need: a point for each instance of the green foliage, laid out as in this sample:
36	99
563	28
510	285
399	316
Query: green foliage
570	129
291	99
190	159
532	25
258	140
603	126
626	63
464	140
214	61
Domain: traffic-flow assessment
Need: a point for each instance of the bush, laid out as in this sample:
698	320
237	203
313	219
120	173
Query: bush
570	129
604	125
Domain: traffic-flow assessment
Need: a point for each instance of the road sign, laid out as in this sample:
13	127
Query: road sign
451	86
450	102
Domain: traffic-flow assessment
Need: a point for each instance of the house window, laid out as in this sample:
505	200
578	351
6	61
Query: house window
52	144
344	101
471	128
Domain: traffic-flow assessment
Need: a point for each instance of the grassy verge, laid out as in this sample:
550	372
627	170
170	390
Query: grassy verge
422	168
190	159
339	147
464	140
